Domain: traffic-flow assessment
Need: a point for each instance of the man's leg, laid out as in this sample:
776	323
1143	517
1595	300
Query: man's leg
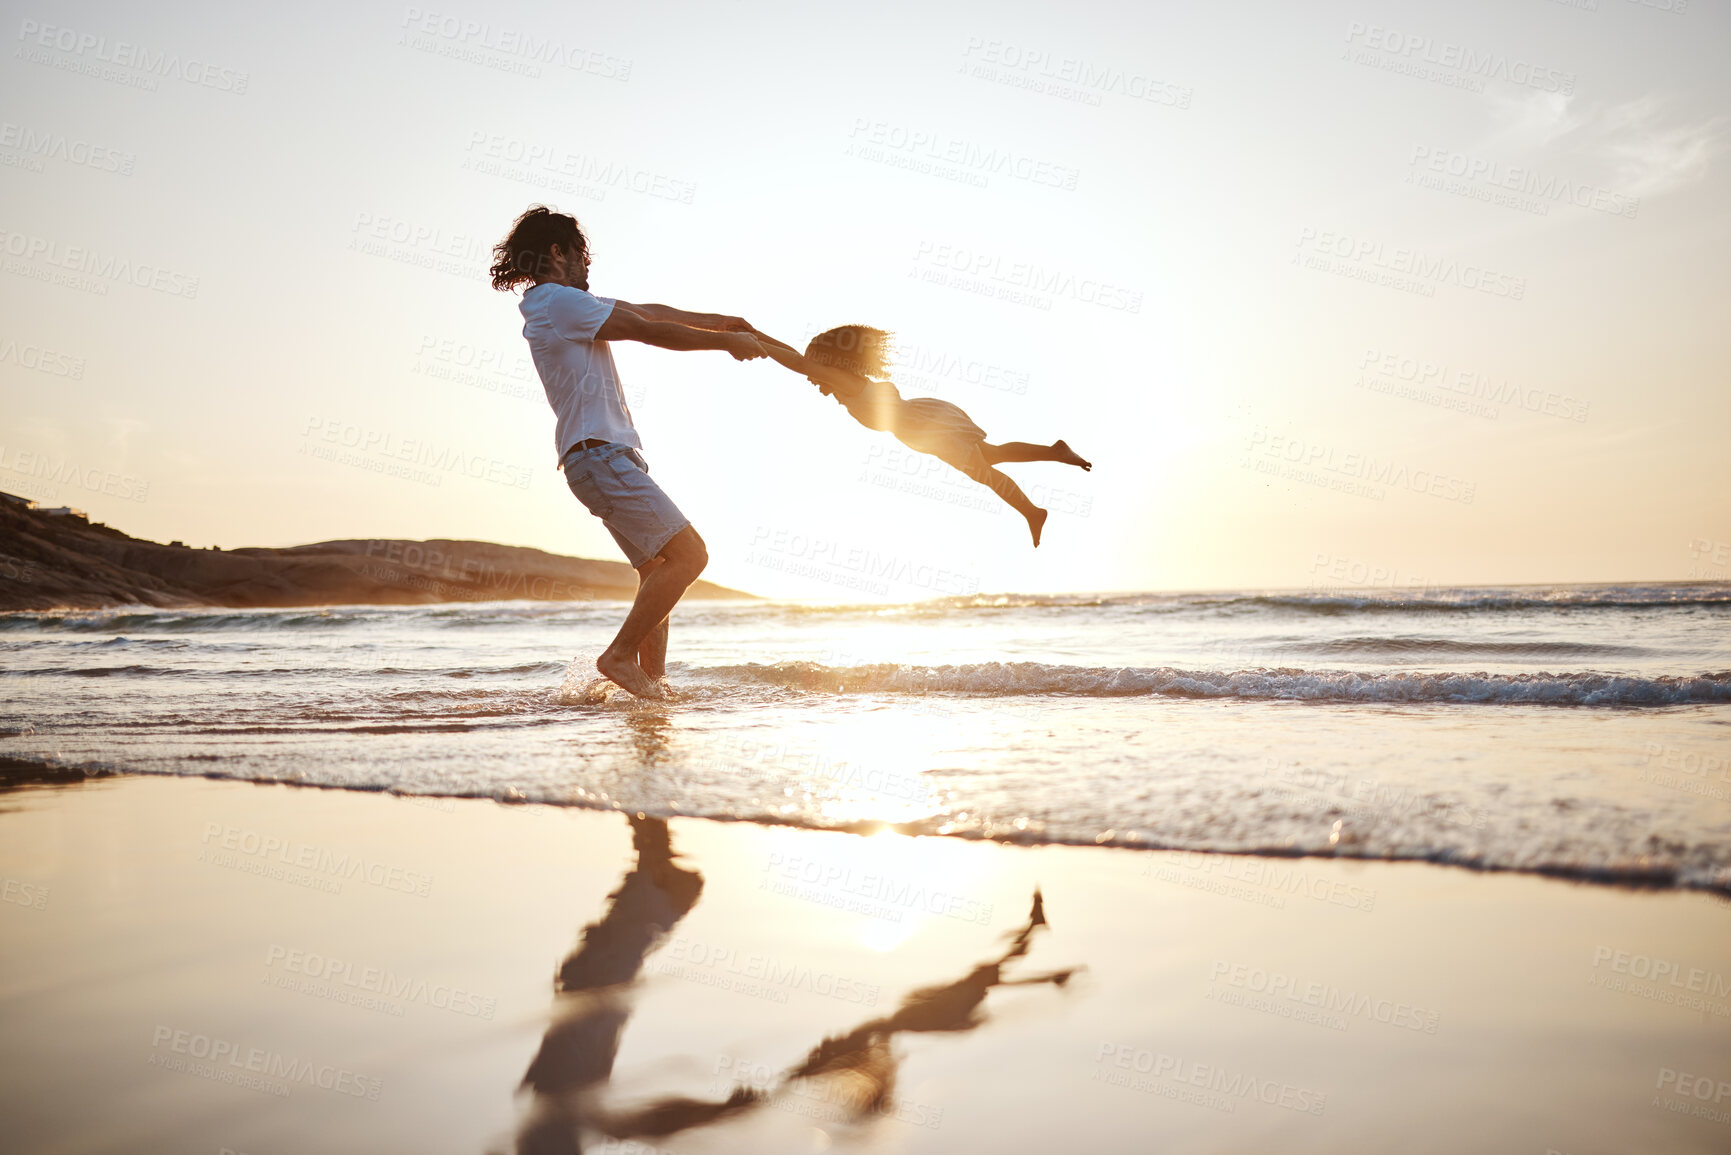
652	654
658	591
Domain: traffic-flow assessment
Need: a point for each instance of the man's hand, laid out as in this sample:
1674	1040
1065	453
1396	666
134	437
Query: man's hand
744	346
741	325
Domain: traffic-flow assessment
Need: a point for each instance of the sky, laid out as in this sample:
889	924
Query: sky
1339	295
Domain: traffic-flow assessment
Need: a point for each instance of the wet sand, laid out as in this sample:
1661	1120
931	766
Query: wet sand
204	966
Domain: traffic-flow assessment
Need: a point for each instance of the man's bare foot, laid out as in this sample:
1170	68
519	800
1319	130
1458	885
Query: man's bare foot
625	672
1036	523
1070	456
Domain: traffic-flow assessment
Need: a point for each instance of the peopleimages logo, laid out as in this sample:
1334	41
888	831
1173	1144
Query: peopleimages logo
1468	383
343	980
66	472
417	457
33	896
431	31
939	147
381	230
1406	265
1406	51
920	363
1690	1093
1218	1087
1089	77
252	852
1025	276
42	144
769	971
1356	466
1497	176
1660	970
87	47
1275	879
803	555
91	263
498	149
1322	996
784	874
229	1062
40	358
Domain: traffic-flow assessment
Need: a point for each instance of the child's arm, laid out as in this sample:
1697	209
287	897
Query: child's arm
838	381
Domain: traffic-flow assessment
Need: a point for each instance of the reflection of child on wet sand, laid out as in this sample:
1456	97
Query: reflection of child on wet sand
856	1070
849	364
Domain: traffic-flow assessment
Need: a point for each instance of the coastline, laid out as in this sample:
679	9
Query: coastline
66	562
391	959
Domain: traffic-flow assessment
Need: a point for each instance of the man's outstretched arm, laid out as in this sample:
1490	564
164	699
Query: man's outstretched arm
718	322
624	324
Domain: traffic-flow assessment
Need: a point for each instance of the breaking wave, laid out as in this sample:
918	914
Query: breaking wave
1012	678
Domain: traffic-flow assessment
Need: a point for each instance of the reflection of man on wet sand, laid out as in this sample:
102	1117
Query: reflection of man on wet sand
577	1054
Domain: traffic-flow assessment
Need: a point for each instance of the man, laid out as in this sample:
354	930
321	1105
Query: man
568	329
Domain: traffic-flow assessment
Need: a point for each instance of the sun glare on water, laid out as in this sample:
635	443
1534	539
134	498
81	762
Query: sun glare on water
873	765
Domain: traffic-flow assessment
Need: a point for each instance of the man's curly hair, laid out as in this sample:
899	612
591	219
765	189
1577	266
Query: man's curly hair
526	255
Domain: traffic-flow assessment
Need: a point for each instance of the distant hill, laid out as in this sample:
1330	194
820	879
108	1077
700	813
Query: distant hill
65	562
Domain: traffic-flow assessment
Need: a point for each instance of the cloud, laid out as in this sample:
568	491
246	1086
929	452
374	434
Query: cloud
1653	156
1640	147
1529	120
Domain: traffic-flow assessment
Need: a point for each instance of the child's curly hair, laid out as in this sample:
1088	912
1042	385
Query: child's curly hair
856	348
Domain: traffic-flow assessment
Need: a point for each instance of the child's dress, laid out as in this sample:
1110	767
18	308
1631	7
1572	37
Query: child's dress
923	424
929	425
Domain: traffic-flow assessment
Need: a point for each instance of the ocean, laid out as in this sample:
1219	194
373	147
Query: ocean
1581	731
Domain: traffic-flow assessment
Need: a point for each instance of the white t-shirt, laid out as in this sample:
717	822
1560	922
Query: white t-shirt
577	371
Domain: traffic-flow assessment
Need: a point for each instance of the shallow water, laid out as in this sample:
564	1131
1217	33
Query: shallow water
1582	730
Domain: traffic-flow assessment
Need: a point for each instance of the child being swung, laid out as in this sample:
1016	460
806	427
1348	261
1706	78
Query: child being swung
849	364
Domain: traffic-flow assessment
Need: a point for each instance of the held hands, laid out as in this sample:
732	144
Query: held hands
744	346
741	325
742	338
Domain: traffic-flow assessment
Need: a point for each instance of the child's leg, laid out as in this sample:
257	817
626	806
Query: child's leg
1025	451
1001	484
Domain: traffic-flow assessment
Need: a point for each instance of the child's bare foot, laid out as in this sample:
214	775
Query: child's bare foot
1069	456
625	672
1036	523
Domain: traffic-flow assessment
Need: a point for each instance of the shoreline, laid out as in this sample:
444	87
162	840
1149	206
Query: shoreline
1658	881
